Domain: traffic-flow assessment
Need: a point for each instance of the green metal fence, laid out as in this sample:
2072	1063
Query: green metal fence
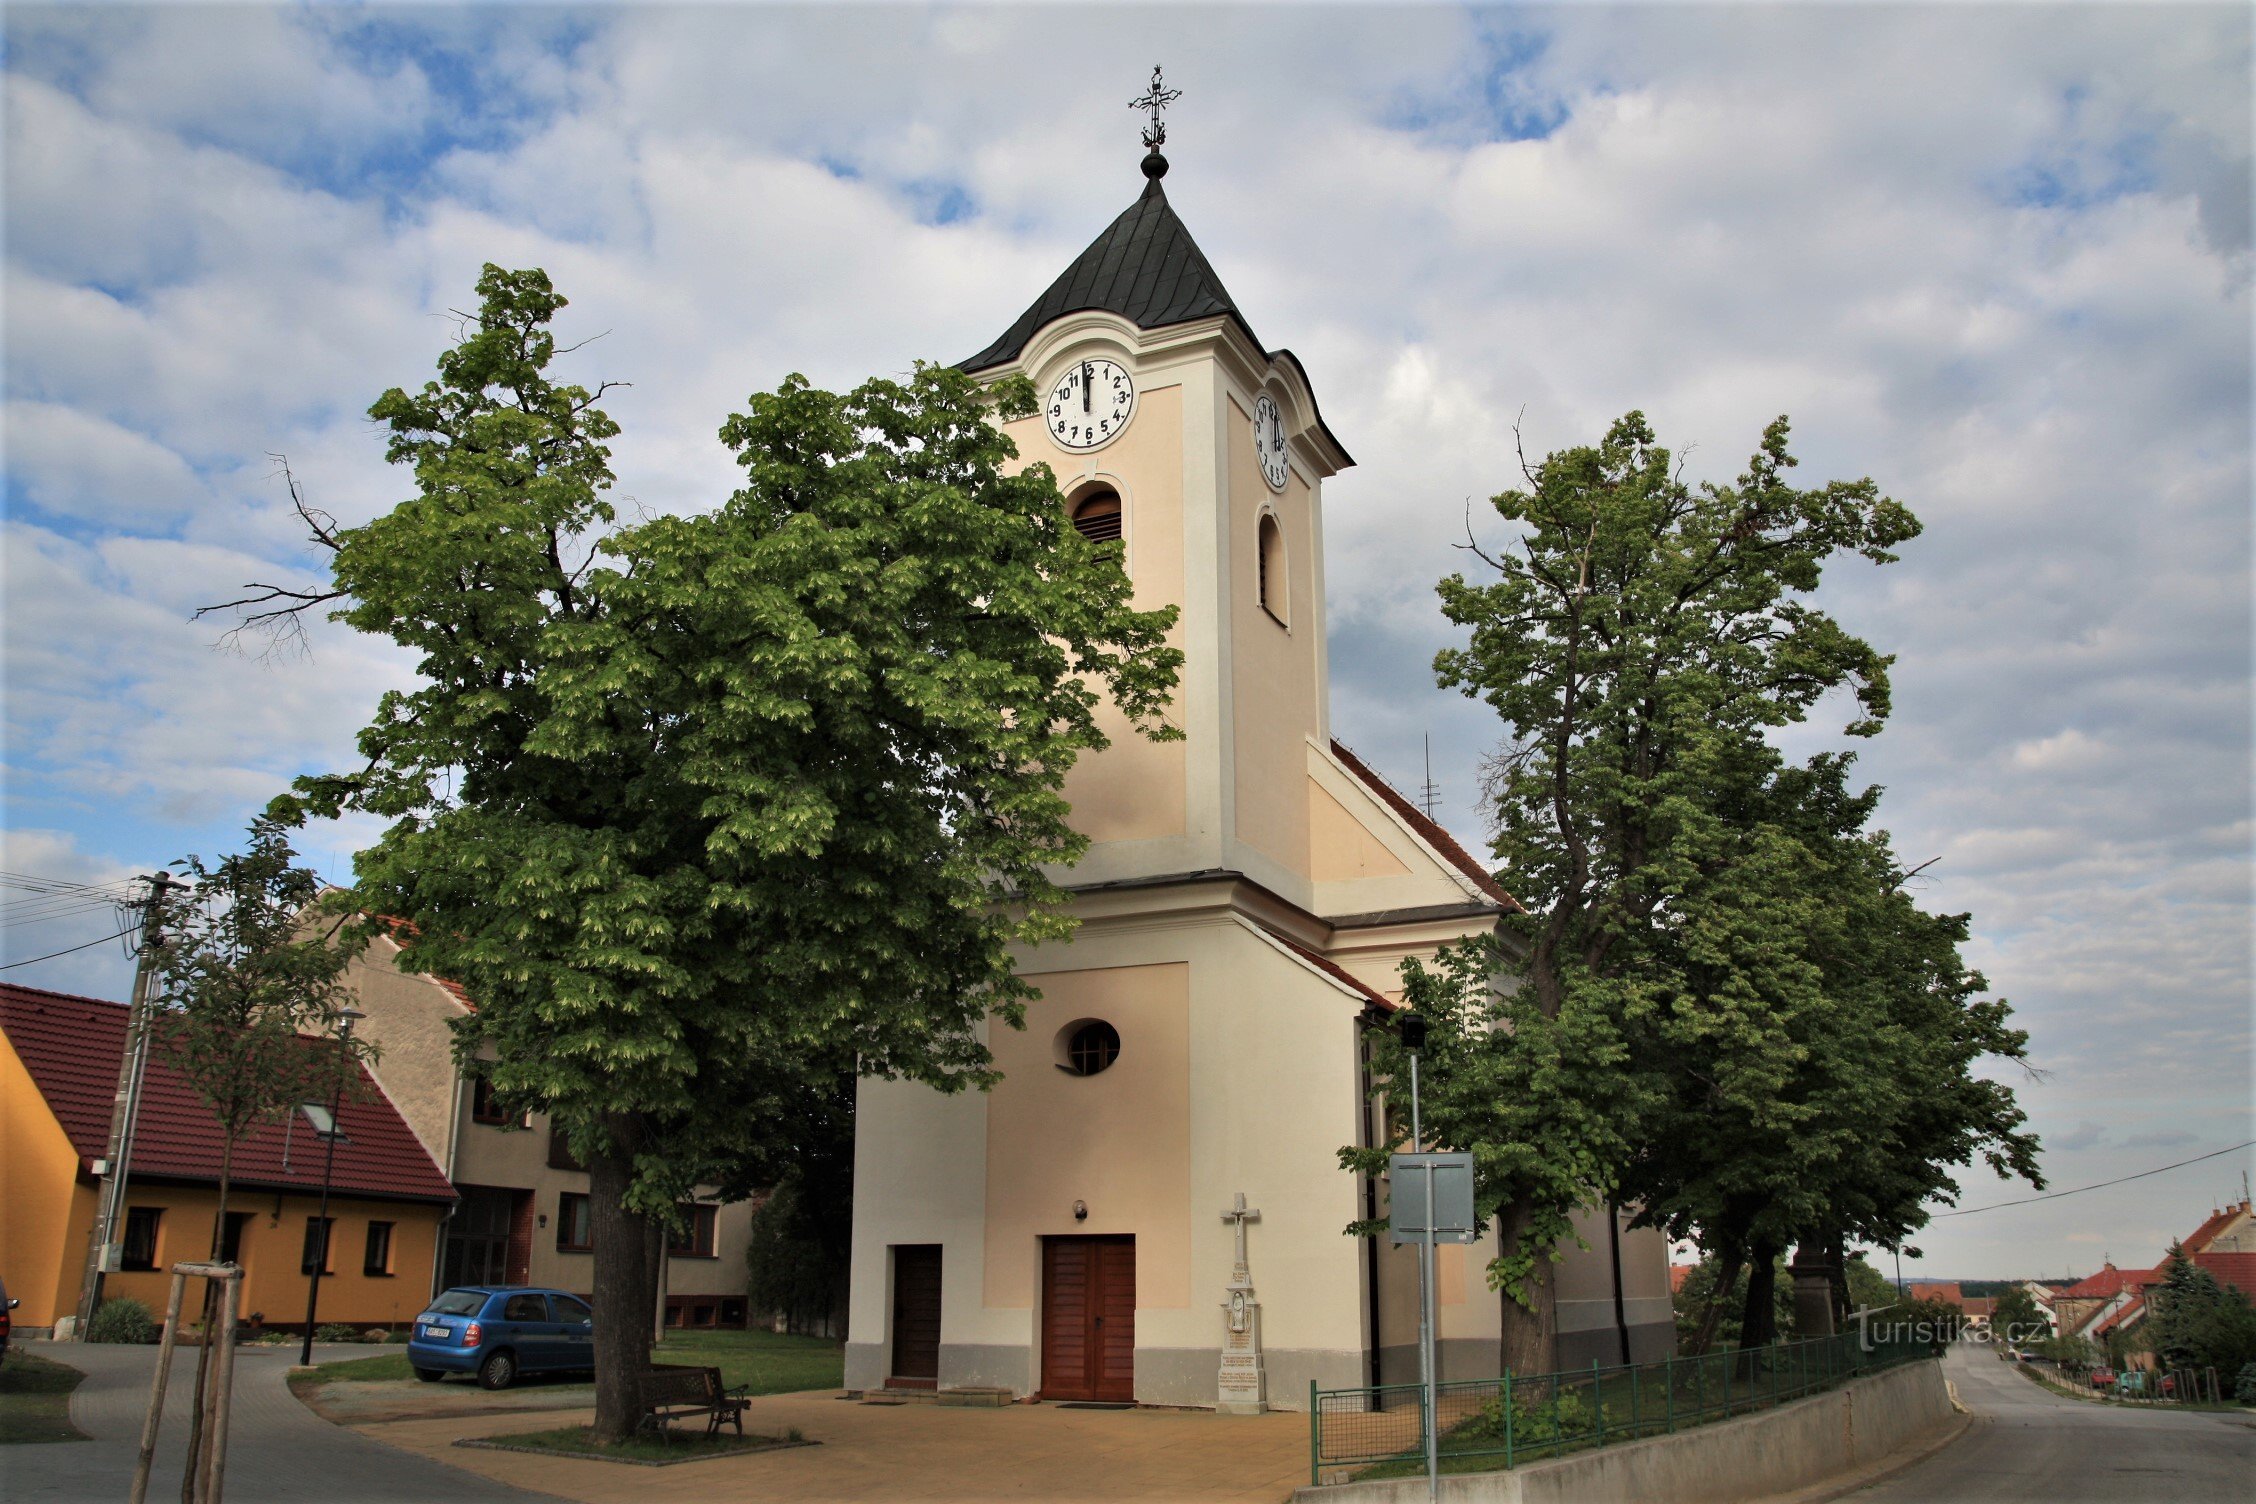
1526	1417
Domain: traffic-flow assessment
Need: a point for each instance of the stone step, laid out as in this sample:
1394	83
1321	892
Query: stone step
976	1396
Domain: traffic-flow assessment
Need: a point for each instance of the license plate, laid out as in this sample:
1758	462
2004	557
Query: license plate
438	1332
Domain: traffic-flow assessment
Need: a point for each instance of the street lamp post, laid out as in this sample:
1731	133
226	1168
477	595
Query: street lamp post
346	1017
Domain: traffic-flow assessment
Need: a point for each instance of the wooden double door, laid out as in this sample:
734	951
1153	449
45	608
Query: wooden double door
1089	1319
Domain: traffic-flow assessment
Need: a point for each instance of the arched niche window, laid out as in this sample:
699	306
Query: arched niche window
1271	582
1096	515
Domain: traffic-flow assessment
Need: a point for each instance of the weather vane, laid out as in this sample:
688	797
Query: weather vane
1158	97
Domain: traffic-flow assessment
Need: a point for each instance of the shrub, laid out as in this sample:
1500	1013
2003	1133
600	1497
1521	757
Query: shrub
2244	1388
335	1331
397	1334
122	1320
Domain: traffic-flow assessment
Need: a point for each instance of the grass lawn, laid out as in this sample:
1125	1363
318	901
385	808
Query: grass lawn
578	1441
35	1400
761	1362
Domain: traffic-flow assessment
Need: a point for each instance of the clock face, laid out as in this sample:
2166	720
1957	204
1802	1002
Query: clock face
1090	404
1269	441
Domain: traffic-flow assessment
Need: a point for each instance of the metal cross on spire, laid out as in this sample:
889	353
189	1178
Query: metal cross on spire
1158	97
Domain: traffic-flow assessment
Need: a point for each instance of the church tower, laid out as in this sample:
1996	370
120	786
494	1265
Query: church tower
1149	1205
1172	428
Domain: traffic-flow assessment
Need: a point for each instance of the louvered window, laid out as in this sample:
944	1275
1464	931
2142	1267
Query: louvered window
1098	518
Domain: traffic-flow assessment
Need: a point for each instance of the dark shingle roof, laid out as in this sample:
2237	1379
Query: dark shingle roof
70	1046
1144	267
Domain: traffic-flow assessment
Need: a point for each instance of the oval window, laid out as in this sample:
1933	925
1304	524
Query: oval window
1089	1047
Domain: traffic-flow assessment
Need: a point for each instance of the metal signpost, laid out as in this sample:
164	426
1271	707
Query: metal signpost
1430	1200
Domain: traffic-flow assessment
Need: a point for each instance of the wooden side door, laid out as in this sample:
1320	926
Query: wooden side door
1089	1319
916	1317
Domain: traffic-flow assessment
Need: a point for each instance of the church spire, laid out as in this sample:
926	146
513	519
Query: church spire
1154	99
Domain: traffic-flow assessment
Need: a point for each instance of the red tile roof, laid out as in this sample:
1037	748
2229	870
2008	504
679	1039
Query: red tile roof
2110	1281
1938	1290
1678	1274
71	1045
2131	1311
1428	830
1376	998
2207	1231
2230	1268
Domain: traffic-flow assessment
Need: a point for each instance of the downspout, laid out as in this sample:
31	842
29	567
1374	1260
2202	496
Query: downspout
1370	1214
453	1147
1621	1315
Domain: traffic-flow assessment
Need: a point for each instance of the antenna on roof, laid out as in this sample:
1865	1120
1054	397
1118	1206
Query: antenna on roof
1429	793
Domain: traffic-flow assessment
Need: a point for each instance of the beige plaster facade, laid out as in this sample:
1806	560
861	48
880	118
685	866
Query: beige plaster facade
513	1224
1247	900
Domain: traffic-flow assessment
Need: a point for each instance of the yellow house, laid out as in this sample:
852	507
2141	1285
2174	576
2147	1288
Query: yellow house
58	1071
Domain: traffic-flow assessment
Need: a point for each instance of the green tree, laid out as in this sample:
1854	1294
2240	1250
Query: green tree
250	968
2016	1319
246	972
2196	1321
1638	643
710	807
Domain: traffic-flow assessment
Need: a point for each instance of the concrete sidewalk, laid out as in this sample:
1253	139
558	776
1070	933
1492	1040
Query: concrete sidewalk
914	1452
278	1452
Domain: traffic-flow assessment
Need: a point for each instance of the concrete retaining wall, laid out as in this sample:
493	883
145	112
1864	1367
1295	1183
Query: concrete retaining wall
1749	1457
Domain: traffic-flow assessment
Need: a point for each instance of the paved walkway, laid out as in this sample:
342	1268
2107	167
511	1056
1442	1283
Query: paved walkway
917	1452
278	1452
2030	1445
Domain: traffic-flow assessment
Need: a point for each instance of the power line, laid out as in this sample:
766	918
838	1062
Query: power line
89	945
2104	1184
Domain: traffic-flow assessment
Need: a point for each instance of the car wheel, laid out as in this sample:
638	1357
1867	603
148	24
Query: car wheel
430	1375
499	1371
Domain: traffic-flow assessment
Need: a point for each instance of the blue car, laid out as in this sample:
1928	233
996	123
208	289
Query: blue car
499	1332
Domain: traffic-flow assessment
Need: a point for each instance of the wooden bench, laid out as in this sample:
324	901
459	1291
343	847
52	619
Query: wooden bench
669	1392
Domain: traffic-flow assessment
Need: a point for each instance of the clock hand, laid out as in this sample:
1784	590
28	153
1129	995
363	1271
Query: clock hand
1086	374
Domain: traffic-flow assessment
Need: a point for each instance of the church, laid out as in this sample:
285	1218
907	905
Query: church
1149	1207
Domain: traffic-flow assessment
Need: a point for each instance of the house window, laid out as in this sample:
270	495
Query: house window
378	1258
560	1155
488	1108
575	1224
1272	568
316	1248
1087	1047
1096	517
231	1237
693	1240
140	1242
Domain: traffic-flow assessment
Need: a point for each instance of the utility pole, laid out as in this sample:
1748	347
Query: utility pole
125	1107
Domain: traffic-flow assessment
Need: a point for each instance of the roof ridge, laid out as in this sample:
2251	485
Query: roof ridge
1427	828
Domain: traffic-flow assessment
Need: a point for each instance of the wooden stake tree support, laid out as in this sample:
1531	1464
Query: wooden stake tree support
207	1443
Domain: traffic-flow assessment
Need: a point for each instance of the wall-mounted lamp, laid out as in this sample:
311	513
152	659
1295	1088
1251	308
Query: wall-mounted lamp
1080	1211
544	1219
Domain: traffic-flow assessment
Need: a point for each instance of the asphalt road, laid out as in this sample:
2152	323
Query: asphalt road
278	1451
2028	1445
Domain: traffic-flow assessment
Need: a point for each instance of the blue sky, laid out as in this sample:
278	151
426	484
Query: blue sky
1998	259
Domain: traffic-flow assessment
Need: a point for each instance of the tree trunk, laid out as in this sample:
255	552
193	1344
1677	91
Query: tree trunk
1836	1251
1758	1320
1530	1331
203	1404
625	1290
1727	1275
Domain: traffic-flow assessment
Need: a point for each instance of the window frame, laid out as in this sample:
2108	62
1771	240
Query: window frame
487	1108
1272	588
566	1203
328	1237
376	1251
145	1218
701	1238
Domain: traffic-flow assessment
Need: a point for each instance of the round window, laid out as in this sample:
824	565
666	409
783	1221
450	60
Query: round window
1089	1047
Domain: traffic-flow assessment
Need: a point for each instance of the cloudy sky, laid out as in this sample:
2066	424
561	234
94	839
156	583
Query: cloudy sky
1999	260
